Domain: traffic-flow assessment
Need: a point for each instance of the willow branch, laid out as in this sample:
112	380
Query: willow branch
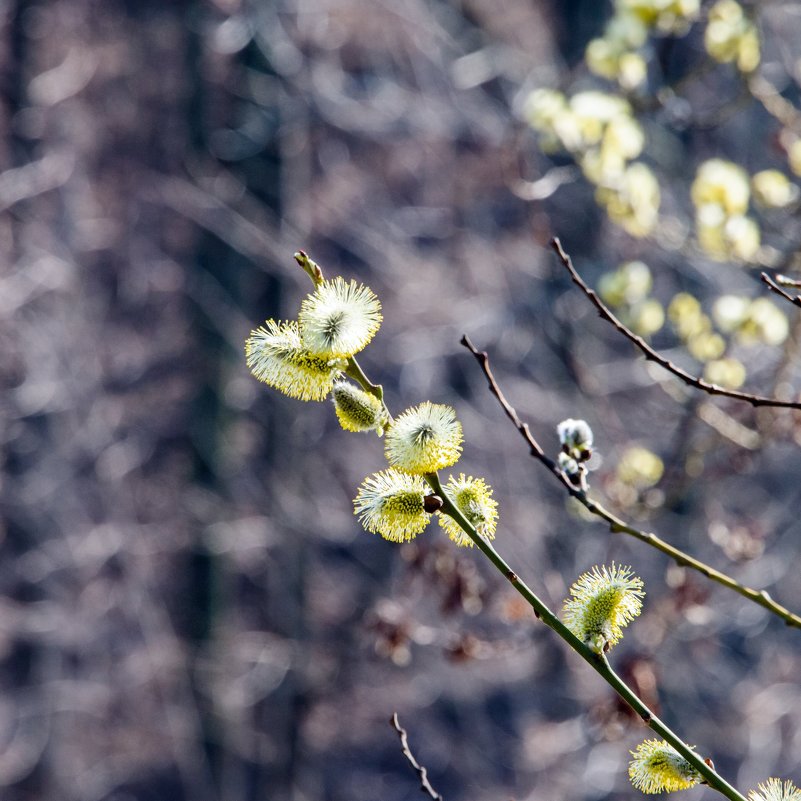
425	785
598	662
616	525
652	355
773	286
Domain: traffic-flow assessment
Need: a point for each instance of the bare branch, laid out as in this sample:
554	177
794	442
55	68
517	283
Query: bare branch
425	785
616	524
652	355
774	287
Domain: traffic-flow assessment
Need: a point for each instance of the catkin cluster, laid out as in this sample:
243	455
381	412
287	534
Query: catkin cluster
313	357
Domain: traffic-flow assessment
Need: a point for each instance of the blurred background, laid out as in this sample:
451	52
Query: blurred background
188	608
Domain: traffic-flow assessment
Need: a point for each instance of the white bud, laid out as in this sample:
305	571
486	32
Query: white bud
575	435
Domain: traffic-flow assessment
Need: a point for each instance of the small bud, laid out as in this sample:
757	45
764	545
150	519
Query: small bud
432	503
358	410
311	268
568	464
576	439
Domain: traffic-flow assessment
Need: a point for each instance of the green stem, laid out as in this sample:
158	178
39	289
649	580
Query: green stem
711	776
683	559
598	662
354	371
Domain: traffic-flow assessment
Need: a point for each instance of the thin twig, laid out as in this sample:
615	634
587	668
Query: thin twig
774	287
652	355
425	785
616	525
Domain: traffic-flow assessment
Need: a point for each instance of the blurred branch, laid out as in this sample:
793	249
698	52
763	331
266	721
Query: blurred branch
772	101
425	785
616	525
35	178
774	287
545	186
652	355
259	243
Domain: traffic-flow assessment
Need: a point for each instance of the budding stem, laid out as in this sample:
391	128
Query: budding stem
598	662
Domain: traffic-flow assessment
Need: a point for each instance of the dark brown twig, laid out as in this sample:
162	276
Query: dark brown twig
774	287
616	525
425	785
534	447
652	355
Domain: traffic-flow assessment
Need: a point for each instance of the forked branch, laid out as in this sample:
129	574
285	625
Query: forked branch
615	523
773	286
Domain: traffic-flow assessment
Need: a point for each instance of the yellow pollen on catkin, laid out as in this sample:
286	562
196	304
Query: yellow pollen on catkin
392	504
473	498
339	318
657	767
356	409
775	790
603	603
275	355
424	439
